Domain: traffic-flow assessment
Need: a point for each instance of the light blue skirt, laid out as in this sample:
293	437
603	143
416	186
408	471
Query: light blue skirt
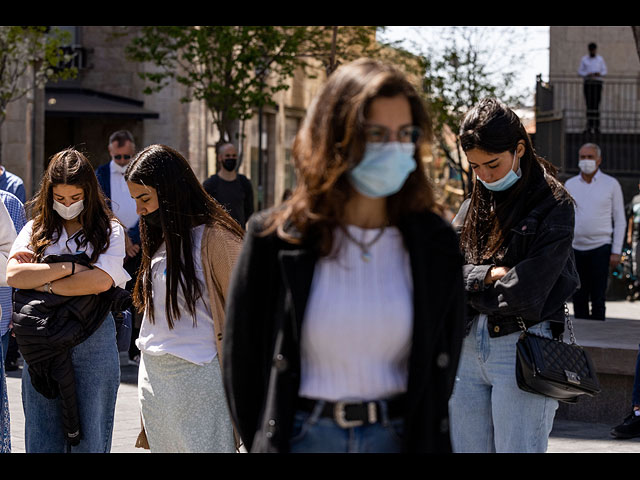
183	405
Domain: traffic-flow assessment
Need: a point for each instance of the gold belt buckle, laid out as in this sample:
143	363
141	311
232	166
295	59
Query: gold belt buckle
339	415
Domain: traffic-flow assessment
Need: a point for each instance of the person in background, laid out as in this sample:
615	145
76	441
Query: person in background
633	231
592	69
230	188
12	183
7	237
69	216
9	182
344	316
189	247
122	148
516	231
16	212
600	225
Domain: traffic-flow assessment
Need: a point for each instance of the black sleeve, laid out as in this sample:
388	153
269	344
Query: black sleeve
210	185
248	199
248	332
526	287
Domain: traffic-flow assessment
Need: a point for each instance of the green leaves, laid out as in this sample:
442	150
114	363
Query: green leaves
233	69
34	50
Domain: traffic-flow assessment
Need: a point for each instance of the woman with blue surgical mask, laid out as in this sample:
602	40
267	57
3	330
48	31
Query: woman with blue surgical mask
516	232
344	313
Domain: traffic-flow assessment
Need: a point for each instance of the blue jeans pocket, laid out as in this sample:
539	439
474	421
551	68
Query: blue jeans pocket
396	428
300	427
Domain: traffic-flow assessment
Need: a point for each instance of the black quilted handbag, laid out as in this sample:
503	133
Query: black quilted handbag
550	367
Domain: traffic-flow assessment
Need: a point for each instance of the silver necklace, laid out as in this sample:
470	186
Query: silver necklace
365	247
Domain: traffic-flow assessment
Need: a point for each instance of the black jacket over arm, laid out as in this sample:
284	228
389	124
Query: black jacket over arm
542	273
266	306
47	326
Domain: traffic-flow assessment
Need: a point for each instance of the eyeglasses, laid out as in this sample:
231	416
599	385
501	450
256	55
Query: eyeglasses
382	134
119	157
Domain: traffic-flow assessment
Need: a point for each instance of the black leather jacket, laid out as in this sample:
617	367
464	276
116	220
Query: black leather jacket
542	275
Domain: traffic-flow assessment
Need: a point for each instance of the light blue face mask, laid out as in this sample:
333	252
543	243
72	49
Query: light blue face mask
384	168
505	182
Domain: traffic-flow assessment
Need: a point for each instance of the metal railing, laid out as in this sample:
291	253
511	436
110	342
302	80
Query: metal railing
563	124
619	106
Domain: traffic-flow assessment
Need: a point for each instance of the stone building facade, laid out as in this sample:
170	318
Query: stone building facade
107	95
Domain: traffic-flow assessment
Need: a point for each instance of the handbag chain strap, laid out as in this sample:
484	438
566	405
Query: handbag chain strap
572	337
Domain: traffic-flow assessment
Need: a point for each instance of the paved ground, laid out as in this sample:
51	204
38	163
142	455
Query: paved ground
566	437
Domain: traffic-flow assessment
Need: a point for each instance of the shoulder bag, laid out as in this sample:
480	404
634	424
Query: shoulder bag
553	368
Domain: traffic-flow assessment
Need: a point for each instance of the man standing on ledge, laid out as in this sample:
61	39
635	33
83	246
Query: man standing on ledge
230	188
599	231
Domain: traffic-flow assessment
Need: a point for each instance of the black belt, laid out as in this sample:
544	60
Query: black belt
348	415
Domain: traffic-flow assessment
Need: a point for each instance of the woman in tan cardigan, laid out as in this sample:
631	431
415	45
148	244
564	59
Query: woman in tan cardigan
189	247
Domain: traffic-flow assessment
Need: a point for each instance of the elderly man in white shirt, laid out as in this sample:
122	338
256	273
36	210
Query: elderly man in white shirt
599	231
592	69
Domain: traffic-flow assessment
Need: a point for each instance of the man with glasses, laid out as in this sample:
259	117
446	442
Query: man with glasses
122	149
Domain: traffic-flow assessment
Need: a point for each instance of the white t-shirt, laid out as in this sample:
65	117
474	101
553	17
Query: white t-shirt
110	261
356	333
194	344
123	206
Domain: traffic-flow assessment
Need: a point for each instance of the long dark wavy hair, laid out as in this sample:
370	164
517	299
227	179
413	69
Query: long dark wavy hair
492	127
332	140
183	204
70	167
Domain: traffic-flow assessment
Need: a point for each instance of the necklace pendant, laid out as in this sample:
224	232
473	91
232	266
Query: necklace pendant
366	256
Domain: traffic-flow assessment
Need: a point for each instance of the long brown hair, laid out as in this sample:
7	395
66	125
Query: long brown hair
493	127
183	204
332	140
70	167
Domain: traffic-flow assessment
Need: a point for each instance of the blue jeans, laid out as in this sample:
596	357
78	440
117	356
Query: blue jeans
5	346
635	399
5	430
315	434
488	411
96	367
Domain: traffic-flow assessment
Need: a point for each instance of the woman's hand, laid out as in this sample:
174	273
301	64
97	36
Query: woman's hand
24	257
495	273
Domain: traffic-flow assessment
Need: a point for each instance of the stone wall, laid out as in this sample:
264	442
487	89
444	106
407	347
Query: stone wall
568	44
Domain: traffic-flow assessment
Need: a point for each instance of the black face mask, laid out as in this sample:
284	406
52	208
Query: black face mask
153	219
230	164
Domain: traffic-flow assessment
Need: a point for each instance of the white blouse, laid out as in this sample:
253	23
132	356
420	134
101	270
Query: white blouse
195	344
356	333
110	261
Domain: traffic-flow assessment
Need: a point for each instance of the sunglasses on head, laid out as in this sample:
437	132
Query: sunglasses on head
119	157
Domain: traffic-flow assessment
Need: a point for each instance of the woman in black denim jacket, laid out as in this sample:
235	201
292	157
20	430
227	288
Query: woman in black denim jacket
515	232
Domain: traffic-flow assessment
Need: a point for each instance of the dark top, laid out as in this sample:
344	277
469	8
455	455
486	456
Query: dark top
235	196
542	274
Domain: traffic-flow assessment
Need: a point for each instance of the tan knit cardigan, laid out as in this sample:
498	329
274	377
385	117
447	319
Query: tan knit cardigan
220	250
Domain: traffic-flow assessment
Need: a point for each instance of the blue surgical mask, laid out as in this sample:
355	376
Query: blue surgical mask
505	182
383	169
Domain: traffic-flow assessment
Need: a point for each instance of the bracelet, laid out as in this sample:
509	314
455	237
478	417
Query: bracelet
73	268
47	287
